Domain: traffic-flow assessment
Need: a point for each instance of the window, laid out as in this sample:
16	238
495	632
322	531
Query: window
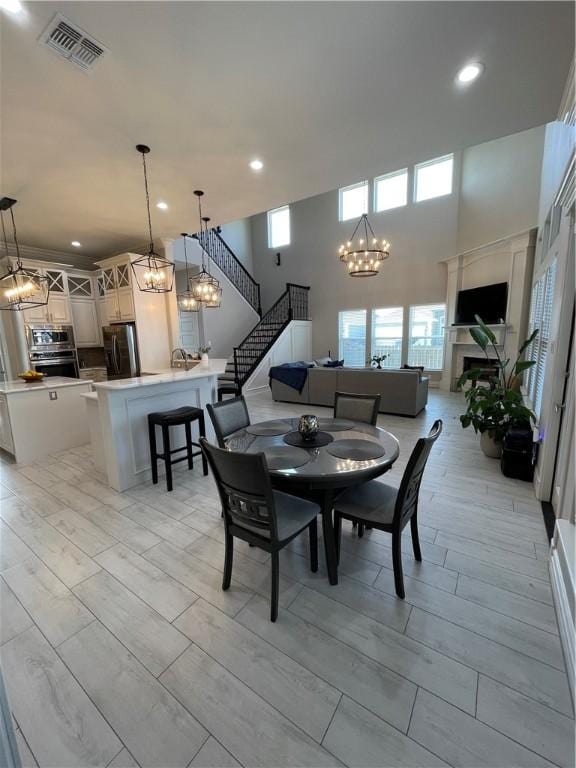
541	318
433	178
387	326
352	337
279	227
353	201
426	336
391	190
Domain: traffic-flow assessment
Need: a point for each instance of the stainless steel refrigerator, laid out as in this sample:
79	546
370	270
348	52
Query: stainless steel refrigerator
121	350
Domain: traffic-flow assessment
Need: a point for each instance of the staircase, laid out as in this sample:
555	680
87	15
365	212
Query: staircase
224	258
292	305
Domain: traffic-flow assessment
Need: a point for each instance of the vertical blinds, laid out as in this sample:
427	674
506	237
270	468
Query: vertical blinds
541	318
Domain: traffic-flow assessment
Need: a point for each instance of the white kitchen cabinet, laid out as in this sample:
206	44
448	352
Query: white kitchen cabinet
6	441
86	326
119	301
58	308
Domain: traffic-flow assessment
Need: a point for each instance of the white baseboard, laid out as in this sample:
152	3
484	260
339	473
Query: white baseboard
255	390
564	601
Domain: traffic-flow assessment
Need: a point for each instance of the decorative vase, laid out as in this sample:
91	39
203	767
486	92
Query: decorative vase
204	360
308	427
491	447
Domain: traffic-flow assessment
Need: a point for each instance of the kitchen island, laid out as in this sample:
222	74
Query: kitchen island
43	417
119	423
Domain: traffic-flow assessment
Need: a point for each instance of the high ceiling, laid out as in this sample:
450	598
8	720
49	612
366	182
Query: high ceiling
324	93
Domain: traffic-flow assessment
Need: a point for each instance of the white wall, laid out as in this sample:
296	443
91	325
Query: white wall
499	189
238	236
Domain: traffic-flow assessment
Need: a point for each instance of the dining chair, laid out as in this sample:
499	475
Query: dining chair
227	417
256	513
356	407
385	508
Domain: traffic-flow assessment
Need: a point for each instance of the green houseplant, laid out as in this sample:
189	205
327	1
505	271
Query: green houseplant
494	406
377	360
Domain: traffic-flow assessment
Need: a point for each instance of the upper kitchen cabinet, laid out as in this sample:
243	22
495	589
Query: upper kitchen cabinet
82	289
58	308
118	297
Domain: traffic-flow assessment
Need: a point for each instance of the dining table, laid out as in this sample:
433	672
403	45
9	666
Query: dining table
345	453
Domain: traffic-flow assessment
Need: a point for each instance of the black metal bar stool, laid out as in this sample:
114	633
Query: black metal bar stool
177	418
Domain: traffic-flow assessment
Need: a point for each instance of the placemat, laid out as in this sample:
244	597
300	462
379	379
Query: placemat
358	450
284	457
268	428
295	438
335	425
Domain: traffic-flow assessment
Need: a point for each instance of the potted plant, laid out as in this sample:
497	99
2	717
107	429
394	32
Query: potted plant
205	360
377	360
497	404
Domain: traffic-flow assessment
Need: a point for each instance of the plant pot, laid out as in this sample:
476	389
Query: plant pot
490	446
204	360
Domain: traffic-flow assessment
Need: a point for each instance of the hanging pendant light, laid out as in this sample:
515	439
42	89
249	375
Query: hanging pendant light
203	286
215	299
187	302
363	252
153	273
20	288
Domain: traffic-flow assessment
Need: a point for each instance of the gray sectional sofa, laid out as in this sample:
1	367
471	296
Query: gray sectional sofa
402	392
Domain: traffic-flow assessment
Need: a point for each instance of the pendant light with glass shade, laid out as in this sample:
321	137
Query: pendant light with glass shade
203	286
153	273
215	300
187	302
363	252
20	288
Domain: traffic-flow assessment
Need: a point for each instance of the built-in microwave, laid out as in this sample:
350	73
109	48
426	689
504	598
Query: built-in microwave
49	338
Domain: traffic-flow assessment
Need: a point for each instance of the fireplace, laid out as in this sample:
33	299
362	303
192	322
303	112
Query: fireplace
488	367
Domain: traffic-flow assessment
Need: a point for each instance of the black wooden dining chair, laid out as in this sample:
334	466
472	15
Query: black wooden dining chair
256	513
356	407
227	417
389	509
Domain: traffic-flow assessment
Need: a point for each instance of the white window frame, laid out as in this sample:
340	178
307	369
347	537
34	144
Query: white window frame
427	164
401	337
540	317
341	355
409	335
384	177
349	188
270	216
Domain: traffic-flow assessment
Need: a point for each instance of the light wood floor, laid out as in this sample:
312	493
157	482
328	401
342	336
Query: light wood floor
119	648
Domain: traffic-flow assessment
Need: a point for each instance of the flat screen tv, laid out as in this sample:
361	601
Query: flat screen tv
488	301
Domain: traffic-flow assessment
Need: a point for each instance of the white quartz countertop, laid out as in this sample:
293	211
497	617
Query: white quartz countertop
165	376
50	382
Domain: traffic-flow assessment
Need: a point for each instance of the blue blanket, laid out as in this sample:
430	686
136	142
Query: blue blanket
292	374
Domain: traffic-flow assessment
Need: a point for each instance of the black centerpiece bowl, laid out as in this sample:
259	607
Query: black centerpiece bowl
308	427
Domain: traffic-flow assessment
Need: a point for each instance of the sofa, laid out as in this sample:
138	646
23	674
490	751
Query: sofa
403	392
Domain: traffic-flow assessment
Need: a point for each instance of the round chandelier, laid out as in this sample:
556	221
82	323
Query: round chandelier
187	302
20	288
203	287
153	273
363	252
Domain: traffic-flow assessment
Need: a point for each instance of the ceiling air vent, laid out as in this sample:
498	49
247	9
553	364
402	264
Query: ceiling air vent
71	42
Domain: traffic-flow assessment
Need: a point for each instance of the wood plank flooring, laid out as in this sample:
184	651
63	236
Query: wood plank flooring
119	648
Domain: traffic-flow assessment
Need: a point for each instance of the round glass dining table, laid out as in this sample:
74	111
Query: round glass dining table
316	473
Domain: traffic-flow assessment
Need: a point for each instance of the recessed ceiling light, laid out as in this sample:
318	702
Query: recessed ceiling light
162	205
470	72
256	165
14	6
76	243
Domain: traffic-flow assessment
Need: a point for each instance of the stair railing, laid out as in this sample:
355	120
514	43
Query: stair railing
225	258
291	305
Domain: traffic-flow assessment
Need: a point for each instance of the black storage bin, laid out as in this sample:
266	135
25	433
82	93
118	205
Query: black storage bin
518	454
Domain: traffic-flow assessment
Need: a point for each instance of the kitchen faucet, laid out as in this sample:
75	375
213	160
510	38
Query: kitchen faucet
183	356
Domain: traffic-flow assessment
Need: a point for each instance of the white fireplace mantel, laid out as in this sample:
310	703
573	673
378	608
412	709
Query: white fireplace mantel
508	260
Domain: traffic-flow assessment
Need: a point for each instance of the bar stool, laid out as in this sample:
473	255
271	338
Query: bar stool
184	416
